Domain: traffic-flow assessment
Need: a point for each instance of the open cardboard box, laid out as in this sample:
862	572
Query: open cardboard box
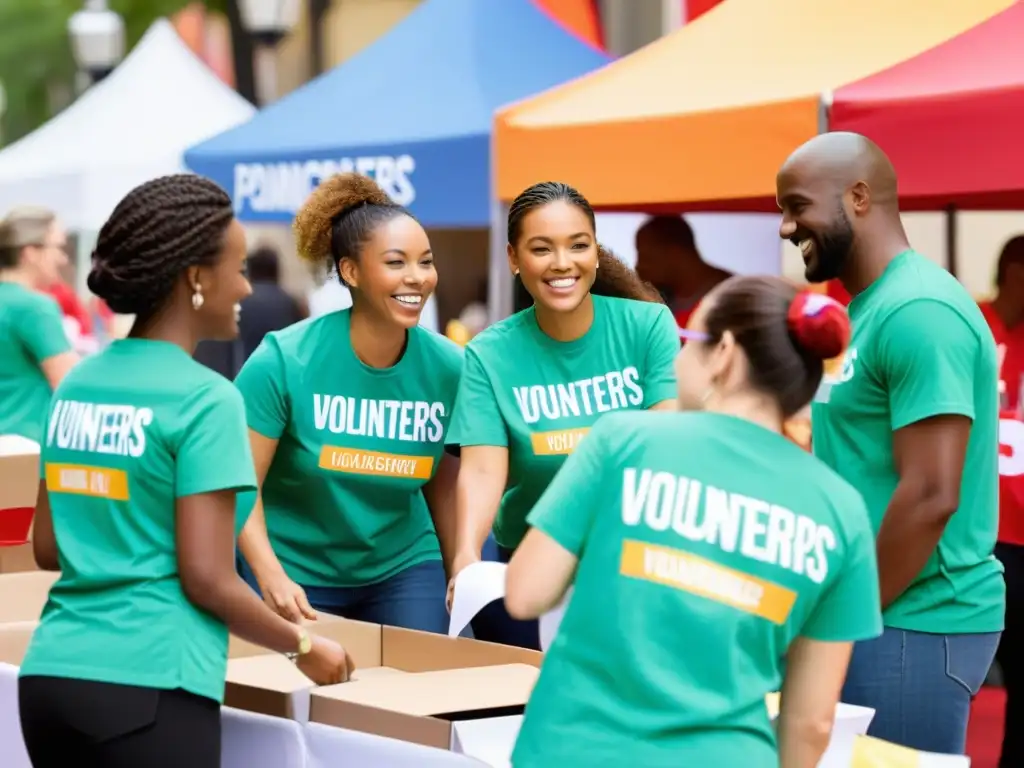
427	690
23	595
17	559
418	687
14	639
19	485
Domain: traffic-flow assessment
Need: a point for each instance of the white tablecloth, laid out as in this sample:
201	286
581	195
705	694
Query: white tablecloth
12	746
254	740
330	747
250	740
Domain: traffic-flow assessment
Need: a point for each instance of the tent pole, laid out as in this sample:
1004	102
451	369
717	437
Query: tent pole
317	10
499	279
951	233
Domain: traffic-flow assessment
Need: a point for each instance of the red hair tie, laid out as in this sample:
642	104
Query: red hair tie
819	324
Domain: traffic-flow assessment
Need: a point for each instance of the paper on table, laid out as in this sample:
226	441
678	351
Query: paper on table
875	753
476	586
482	583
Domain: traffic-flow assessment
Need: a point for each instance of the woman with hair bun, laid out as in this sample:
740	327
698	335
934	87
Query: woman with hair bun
712	559
347	417
143	457
596	339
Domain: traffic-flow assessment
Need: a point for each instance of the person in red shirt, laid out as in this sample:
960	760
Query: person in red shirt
1005	316
667	257
78	323
834	290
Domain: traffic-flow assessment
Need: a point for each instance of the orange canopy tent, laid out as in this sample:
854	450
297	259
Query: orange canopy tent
702	119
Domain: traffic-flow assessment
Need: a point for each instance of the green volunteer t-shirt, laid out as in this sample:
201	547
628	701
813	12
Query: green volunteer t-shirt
131	430
343	497
921	348
31	330
706	545
524	391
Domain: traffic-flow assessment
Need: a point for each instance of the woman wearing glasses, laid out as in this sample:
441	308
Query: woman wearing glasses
34	350
710	557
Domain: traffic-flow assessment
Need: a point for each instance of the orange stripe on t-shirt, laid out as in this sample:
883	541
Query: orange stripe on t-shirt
698	576
360	462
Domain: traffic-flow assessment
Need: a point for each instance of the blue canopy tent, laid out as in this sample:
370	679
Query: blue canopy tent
414	111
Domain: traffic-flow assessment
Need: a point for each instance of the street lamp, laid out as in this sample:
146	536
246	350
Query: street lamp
268	21
97	39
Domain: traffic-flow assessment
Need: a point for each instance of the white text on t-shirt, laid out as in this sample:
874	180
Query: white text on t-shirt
118	430
412	421
755	528
586	397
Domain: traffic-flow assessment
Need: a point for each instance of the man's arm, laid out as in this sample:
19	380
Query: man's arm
929	458
930	359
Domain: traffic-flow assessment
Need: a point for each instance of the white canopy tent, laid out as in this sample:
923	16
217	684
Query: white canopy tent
132	126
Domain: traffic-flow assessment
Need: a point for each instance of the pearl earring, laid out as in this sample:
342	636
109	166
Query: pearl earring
197	298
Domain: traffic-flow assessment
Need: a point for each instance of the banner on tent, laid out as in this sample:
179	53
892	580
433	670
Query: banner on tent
282	187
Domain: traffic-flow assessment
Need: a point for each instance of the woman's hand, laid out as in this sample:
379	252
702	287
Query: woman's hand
326	663
461	562
286	598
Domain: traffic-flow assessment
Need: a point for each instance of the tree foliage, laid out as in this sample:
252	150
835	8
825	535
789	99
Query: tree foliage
36	64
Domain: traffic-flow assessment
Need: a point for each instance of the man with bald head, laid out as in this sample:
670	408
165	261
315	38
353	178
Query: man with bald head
911	421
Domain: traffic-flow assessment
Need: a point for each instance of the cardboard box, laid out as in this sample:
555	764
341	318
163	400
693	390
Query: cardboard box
414	686
14	640
19	486
17	559
434	709
19	472
23	595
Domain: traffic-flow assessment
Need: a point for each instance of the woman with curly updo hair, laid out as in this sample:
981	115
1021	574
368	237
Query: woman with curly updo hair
347	415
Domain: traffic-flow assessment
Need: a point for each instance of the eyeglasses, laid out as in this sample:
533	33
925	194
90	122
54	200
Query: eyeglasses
687	335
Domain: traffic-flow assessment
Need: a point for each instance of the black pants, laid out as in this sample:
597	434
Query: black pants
494	625
102	725
1011	655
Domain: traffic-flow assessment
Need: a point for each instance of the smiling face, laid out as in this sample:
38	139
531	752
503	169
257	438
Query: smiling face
815	220
556	255
395	273
224	286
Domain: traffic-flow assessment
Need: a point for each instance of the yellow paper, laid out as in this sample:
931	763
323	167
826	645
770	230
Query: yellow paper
874	753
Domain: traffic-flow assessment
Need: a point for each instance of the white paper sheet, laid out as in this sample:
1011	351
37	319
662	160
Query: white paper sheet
476	586
482	583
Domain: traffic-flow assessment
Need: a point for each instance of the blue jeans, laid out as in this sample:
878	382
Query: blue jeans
920	685
411	599
493	624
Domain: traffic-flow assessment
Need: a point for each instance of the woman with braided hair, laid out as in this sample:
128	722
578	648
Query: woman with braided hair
347	414
144	454
597	339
